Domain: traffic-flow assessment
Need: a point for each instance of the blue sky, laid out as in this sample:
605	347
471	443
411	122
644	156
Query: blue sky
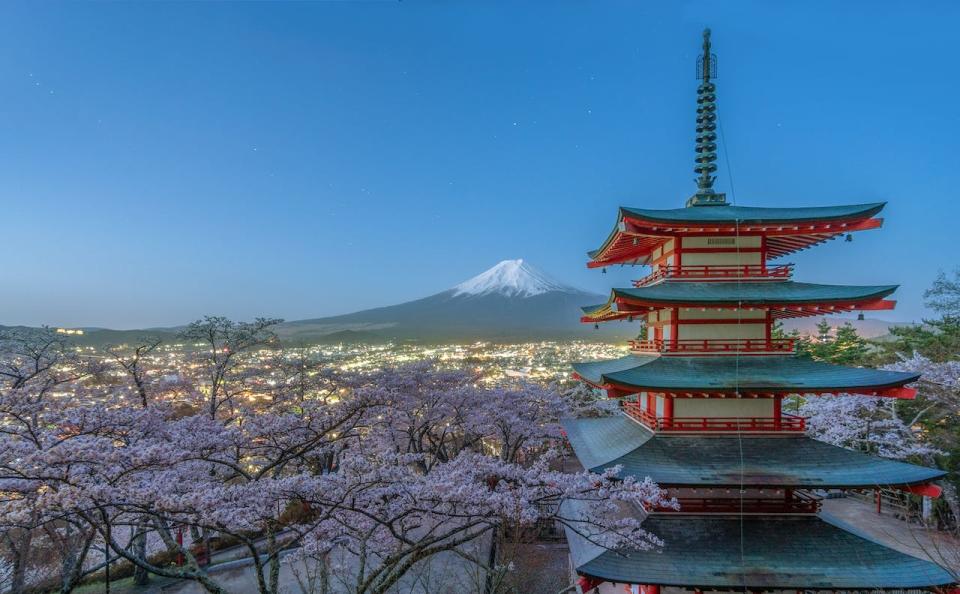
161	161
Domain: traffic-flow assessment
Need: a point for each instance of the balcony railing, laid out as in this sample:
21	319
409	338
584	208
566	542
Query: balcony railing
785	423
798	504
784	346
747	272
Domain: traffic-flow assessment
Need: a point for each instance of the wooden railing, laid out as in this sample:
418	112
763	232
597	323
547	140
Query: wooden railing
798	504
715	345
747	272
785	423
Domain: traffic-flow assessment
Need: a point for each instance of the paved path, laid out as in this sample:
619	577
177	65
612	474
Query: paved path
912	539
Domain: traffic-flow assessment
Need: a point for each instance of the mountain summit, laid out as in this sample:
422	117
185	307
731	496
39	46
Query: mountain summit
513	301
512	278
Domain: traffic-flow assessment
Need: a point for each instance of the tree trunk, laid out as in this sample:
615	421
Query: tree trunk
274	560
21	558
489	580
210	586
324	562
141	577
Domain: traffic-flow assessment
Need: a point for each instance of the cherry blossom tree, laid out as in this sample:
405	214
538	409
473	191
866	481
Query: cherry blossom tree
863	423
224	345
441	466
36	369
874	424
370	475
879	425
401	517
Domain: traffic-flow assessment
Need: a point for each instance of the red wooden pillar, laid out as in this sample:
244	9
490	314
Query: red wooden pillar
768	330
667	407
877	492
675	326
777	411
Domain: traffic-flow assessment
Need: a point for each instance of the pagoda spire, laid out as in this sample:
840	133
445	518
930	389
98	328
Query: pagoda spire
706	130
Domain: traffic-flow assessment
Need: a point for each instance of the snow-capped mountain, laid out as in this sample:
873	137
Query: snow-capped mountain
512	278
513	300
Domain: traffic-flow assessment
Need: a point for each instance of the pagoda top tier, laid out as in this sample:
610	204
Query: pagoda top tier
641	231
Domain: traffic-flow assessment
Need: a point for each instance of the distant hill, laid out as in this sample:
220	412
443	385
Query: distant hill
106	336
512	301
867	328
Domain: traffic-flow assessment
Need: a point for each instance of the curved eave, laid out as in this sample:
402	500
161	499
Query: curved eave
785	299
639	231
699	376
758	553
754	215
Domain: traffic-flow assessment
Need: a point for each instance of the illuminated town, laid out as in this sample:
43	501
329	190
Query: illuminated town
324	298
543	362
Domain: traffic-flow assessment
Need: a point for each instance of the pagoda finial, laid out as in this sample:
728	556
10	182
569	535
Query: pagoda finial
706	130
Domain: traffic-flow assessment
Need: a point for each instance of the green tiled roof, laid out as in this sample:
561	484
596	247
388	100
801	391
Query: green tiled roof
754	214
766	293
801	462
706	374
753	553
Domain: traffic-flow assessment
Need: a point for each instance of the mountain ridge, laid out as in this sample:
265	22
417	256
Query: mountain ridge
509	301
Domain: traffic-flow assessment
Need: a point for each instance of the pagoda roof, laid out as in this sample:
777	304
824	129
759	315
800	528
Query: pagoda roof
640	230
754	553
753	215
786	298
788	462
746	375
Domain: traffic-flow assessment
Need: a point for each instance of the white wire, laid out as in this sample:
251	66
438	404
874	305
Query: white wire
736	375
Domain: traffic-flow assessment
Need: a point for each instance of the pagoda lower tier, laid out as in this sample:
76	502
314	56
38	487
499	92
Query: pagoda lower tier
711	464
747	517
731	553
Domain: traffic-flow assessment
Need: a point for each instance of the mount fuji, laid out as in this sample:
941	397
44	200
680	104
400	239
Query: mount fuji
511	301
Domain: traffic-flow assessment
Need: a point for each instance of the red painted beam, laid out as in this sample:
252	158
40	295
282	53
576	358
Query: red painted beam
784	238
588	583
643	227
927	490
878	305
903	393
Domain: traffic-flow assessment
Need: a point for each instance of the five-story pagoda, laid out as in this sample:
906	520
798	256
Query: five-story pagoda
701	400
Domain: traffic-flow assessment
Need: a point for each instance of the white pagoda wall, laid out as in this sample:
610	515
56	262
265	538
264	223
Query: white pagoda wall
720	331
723	407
